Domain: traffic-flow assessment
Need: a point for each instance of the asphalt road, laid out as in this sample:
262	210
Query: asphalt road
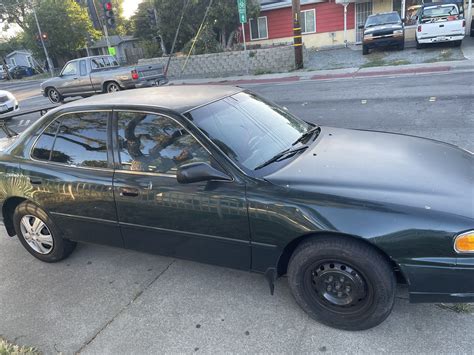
108	301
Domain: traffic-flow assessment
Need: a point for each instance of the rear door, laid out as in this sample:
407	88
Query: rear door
70	173
203	221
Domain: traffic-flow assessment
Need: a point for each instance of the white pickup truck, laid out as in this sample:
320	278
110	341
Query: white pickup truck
439	23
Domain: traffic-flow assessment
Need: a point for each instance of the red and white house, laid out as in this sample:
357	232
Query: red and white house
324	23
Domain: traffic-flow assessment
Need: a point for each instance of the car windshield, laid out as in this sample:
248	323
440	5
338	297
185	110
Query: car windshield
383	19
440	11
248	129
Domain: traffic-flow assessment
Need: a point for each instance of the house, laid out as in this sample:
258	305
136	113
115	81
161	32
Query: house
126	47
325	23
21	57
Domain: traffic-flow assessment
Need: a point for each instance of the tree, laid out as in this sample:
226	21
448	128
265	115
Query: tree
67	25
15	12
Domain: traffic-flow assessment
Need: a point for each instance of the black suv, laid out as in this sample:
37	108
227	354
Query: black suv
383	30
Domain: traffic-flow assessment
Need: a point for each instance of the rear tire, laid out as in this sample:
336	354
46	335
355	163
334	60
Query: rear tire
39	235
365	50
112	87
342	282
457	43
418	45
401	46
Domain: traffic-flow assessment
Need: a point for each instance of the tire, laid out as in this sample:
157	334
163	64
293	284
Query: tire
418	45
457	43
54	96
401	46
367	293
47	244
365	50
112	87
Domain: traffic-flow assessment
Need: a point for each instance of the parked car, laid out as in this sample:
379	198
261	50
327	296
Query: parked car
222	176
98	74
20	71
383	30
472	27
439	23
3	72
8	102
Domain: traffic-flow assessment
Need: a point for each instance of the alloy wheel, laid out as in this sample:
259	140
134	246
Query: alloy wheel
112	87
54	96
37	234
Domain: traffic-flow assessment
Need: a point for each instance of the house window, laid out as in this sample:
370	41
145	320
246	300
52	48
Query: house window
308	21
13	61
258	28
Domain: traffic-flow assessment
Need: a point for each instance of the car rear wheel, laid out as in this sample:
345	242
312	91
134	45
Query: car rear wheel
457	43
418	45
365	50
112	87
401	46
39	235
54	96
342	282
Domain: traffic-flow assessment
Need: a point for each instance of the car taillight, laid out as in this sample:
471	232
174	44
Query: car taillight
134	74
419	28
463	23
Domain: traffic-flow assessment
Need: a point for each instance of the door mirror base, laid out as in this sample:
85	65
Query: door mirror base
197	172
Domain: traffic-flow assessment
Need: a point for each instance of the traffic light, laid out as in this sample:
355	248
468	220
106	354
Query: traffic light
109	14
151	16
42	38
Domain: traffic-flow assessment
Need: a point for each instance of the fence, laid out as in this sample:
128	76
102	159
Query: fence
258	61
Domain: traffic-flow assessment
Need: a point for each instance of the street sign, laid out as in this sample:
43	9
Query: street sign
112	51
242	6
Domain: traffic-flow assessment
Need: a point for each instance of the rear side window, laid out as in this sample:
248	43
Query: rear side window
78	139
83	68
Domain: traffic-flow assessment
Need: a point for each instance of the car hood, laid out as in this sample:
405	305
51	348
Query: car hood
49	81
384	167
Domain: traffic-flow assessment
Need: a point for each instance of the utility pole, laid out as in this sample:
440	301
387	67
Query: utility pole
297	39
50	64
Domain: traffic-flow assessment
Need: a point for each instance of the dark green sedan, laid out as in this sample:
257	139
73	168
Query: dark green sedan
219	175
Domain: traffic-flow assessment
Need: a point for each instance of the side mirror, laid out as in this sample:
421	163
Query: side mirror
196	172
360	27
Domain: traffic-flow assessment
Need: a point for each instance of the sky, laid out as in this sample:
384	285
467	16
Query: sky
129	7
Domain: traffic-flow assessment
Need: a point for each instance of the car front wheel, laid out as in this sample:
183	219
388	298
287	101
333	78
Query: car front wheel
39	235
54	96
365	50
342	282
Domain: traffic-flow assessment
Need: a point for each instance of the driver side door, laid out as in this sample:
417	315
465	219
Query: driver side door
203	221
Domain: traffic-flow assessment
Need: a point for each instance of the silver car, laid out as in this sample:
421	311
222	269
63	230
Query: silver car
8	102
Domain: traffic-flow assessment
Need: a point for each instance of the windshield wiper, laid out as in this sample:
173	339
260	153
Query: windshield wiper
308	134
287	153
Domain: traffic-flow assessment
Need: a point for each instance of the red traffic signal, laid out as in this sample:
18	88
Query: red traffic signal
109	15
108	6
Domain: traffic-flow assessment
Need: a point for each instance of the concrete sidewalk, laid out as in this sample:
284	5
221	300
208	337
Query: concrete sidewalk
301	75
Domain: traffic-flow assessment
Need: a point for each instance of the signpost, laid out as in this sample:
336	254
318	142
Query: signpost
242	7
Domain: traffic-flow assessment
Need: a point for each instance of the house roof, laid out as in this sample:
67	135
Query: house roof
278	4
24	52
114	41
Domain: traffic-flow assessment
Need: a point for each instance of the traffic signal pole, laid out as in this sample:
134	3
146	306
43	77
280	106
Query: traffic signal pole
50	64
297	39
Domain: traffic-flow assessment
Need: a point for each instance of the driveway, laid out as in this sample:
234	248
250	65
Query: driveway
110	301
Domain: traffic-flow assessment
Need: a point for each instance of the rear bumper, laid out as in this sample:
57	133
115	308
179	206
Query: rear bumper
144	83
429	283
439	39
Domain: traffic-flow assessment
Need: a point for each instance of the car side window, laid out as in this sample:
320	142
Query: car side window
70	69
83	67
155	143
77	139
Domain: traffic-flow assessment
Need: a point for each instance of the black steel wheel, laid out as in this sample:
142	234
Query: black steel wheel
342	282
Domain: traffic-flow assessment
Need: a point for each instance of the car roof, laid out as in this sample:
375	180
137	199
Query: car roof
383	13
179	98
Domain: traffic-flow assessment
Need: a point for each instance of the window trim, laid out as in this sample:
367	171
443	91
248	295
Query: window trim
250	28
116	152
109	157
314	12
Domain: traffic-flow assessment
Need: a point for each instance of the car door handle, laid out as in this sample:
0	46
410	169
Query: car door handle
35	181
128	192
